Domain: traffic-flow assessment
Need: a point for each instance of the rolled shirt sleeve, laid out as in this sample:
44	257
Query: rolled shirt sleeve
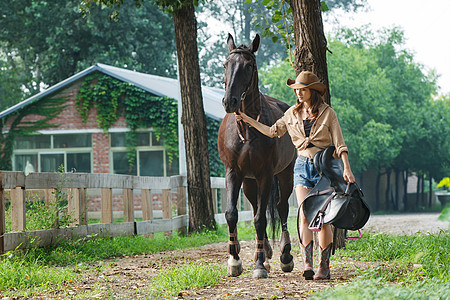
279	128
336	135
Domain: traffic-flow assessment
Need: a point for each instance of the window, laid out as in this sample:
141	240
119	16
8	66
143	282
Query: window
151	163
51	162
32	142
79	162
151	156
121	165
26	162
72	140
46	153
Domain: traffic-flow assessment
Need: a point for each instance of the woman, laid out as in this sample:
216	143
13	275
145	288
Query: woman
313	126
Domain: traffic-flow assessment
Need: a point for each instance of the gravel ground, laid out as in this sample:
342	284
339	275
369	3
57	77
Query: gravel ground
406	223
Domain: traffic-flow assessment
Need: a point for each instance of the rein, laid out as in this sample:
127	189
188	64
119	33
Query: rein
241	125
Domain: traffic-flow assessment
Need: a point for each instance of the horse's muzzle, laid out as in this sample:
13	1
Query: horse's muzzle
231	104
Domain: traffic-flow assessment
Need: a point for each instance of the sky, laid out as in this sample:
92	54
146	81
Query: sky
426	26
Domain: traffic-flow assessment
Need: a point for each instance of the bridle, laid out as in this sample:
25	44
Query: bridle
241	125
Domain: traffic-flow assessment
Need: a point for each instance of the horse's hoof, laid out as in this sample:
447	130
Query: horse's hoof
260	273
234	267
267	266
287	267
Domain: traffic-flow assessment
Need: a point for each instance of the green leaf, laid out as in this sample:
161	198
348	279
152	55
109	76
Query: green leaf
276	17
324	6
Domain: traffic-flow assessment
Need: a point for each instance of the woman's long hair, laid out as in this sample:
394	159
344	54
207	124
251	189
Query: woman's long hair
315	102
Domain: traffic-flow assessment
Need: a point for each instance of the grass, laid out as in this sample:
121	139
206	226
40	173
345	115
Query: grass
378	289
53	266
411	267
22	274
408	265
188	276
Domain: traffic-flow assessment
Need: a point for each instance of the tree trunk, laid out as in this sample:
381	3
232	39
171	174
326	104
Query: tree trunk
405	190
310	54
388	189
418	191
201	213
377	191
430	189
310	41
396	194
424	199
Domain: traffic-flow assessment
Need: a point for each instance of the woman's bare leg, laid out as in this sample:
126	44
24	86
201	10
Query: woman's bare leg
325	236
305	234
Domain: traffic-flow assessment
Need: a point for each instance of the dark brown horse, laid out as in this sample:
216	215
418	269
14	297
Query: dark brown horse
260	163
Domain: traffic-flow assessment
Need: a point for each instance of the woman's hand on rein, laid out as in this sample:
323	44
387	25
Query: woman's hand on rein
240	116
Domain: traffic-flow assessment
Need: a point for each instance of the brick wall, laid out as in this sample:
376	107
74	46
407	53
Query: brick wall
70	118
100	149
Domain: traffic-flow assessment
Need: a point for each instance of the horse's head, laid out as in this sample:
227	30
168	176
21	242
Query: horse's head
240	73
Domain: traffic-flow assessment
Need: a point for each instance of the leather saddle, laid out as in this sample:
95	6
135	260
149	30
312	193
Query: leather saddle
333	200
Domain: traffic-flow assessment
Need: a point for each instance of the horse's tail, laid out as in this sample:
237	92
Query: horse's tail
275	220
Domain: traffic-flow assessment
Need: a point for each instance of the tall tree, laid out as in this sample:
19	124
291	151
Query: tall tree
310	42
46	41
201	213
243	20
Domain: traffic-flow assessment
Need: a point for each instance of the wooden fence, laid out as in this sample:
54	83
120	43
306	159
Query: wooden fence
76	186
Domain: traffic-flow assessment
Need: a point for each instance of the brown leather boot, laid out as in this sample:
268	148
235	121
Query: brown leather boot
324	264
307	256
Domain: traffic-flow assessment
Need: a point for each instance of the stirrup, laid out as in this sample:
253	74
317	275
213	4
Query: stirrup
317	223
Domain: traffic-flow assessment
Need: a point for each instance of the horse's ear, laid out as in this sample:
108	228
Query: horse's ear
255	44
230	42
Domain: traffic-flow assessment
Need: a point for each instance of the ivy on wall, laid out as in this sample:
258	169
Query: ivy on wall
113	98
217	169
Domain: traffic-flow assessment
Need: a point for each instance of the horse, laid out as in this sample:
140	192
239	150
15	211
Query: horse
262	165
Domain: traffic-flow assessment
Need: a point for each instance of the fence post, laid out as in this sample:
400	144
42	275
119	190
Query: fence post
214	199
2	216
83	206
77	206
166	208
128	205
18	209
147	207
223	200
107	212
181	207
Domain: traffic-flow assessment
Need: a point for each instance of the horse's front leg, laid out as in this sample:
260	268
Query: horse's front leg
233	186
260	219
251	192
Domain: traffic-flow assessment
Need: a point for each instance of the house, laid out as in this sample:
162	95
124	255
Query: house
84	147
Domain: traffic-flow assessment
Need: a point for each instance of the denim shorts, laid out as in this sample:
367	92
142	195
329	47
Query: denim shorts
305	173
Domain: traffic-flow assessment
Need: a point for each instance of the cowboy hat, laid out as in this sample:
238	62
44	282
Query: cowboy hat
307	79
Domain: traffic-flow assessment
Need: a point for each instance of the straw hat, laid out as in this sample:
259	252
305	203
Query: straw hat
307	79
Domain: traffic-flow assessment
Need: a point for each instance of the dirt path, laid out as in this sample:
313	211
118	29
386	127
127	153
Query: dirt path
129	277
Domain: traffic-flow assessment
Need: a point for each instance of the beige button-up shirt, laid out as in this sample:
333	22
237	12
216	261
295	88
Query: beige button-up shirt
324	132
